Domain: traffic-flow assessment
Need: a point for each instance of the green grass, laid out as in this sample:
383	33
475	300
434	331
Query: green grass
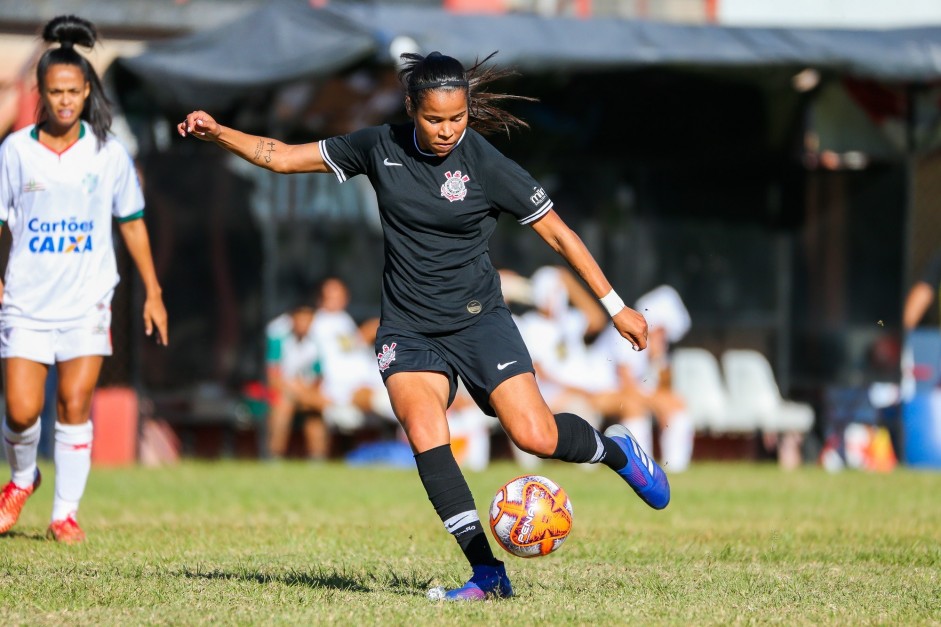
246	543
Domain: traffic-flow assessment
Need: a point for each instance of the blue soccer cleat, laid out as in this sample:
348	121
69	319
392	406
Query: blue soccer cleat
486	581
642	473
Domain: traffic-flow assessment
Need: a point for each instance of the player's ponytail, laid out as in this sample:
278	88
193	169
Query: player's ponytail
70	31
437	71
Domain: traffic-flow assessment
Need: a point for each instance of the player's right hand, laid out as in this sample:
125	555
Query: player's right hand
632	326
200	125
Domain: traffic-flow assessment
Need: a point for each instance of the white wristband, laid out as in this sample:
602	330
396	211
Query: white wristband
612	302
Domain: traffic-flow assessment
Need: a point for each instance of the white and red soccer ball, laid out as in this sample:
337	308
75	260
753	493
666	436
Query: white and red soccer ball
531	516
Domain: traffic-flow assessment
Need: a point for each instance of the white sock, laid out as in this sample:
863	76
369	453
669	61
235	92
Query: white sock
73	463
642	430
20	449
676	442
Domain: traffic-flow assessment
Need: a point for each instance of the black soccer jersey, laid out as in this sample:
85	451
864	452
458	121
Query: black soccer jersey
437	217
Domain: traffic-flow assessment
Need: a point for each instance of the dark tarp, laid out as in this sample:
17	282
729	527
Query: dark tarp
276	44
536	43
290	40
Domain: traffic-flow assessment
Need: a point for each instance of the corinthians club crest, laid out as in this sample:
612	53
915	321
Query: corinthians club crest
453	188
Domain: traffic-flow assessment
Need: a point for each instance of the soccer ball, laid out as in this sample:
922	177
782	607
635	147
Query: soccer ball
531	516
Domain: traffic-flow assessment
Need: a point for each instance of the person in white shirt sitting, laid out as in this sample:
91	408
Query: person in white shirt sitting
293	369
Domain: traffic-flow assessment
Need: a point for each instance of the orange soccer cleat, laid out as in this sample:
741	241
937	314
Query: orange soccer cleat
65	531
12	500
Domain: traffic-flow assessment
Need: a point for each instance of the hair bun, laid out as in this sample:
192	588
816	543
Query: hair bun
69	30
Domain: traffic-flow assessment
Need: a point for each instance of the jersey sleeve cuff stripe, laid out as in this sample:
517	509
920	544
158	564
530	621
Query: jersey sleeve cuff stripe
341	175
538	214
132	217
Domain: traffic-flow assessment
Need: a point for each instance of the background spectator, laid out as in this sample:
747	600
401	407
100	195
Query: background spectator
293	370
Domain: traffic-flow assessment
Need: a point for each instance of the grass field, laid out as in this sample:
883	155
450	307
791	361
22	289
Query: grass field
292	543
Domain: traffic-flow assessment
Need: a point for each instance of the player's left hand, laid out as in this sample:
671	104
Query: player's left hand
632	326
155	320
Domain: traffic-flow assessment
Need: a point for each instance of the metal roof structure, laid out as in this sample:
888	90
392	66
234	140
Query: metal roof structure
285	41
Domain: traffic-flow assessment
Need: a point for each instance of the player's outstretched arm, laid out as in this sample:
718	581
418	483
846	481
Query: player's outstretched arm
264	152
629	323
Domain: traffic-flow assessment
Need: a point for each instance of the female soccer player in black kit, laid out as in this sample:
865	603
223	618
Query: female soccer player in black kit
441	187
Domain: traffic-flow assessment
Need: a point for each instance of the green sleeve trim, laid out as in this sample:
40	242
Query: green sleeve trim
132	217
2	223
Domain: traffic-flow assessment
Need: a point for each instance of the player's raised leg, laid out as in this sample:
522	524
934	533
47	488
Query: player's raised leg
531	425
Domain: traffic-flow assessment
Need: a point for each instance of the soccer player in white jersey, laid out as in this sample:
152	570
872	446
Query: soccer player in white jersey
293	369
61	183
441	186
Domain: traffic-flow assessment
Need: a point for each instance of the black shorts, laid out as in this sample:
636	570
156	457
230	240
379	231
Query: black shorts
483	355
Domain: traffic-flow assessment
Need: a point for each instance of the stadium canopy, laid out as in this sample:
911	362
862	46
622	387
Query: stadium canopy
290	40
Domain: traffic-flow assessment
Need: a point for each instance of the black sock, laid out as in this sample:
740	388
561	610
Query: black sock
579	442
614	457
452	499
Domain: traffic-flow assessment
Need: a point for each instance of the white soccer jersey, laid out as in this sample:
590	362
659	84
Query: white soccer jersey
348	363
557	346
59	209
296	358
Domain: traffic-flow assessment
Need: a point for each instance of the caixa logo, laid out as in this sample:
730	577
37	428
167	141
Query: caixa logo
60	236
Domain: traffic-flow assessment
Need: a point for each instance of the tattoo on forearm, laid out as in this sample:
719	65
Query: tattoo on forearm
270	150
259	148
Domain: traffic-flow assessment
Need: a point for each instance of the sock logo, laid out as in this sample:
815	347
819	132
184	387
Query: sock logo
461	520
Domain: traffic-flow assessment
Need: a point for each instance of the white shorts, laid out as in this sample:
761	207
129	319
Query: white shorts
49	346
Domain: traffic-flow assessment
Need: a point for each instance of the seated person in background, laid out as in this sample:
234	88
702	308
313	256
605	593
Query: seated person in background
563	314
634	387
921	296
351	383
644	379
923	293
293	370
583	365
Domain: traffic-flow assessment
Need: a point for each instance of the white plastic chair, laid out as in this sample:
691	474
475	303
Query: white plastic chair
697	379
755	399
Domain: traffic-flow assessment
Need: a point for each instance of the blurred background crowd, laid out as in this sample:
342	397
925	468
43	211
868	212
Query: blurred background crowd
759	178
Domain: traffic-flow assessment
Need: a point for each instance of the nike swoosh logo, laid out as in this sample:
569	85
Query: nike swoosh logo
387	162
509	363
463	520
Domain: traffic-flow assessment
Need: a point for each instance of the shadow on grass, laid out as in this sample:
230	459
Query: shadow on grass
321	578
11	535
